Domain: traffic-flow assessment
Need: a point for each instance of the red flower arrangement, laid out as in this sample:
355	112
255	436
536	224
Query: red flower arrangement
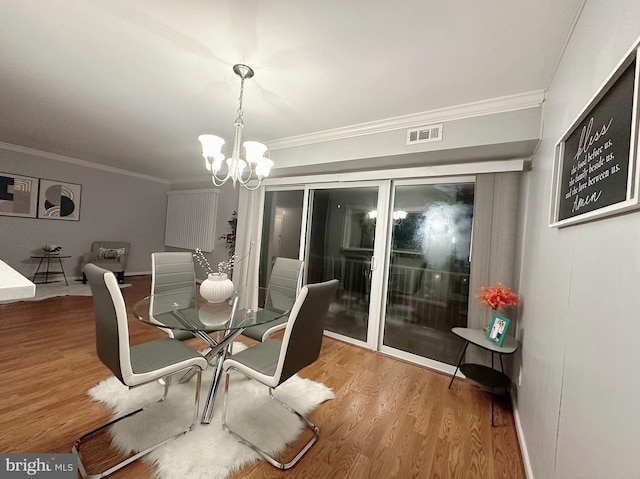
497	296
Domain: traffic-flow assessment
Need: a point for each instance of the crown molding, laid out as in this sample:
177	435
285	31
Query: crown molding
76	161
521	101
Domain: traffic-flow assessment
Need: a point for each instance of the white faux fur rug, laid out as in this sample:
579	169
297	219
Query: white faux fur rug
207	451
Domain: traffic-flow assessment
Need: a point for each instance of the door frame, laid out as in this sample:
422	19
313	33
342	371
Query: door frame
250	215
377	283
381	256
398	353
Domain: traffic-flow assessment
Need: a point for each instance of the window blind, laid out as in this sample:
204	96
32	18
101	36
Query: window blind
191	219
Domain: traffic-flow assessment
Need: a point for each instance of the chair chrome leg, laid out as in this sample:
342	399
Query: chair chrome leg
309	424
166	382
270	459
79	442
196	405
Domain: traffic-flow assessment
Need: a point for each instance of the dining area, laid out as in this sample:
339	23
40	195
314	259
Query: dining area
176	307
375	422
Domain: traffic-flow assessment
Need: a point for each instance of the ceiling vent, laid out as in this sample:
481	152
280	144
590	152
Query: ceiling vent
424	134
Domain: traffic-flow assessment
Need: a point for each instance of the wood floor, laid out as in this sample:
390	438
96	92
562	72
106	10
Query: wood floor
390	419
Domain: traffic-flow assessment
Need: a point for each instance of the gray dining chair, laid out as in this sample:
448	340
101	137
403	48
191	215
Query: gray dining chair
173	271
283	287
132	365
274	361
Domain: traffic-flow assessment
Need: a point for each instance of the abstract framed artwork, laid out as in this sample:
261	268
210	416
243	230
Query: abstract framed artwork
18	195
59	201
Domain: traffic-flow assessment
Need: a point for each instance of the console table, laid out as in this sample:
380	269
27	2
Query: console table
486	376
47	258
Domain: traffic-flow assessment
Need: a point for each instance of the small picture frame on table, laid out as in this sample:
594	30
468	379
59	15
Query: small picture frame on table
498	329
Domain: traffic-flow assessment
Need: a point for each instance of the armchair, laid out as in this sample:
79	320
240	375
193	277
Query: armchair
109	255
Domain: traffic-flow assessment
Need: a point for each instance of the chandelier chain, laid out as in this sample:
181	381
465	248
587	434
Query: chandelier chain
241	95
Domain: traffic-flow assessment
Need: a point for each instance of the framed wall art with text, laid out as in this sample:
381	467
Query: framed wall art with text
595	169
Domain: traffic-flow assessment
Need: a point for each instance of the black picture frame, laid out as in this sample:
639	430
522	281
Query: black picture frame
18	195
595	171
59	200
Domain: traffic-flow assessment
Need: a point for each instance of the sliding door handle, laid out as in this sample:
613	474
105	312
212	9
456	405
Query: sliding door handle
374	263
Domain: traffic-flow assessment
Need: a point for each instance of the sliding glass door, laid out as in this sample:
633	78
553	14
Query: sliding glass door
429	266
400	250
340	244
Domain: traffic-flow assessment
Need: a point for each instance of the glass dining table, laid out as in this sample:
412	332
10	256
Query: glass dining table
186	310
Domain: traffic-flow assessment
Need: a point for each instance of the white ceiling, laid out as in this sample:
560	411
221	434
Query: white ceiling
131	84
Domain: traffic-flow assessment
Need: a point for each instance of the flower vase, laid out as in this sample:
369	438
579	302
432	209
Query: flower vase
216	288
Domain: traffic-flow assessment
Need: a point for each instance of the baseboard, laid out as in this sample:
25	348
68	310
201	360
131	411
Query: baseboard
523	444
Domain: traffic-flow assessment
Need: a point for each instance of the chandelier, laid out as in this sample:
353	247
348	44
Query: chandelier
255	153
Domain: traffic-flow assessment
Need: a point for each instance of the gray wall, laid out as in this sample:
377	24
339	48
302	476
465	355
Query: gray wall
578	396
114	206
490	135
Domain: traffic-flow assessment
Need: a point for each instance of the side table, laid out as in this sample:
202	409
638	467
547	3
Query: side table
47	258
485	376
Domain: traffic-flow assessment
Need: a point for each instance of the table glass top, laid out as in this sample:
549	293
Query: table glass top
186	310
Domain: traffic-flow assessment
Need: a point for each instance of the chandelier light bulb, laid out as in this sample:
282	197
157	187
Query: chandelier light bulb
263	168
254	151
212	151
